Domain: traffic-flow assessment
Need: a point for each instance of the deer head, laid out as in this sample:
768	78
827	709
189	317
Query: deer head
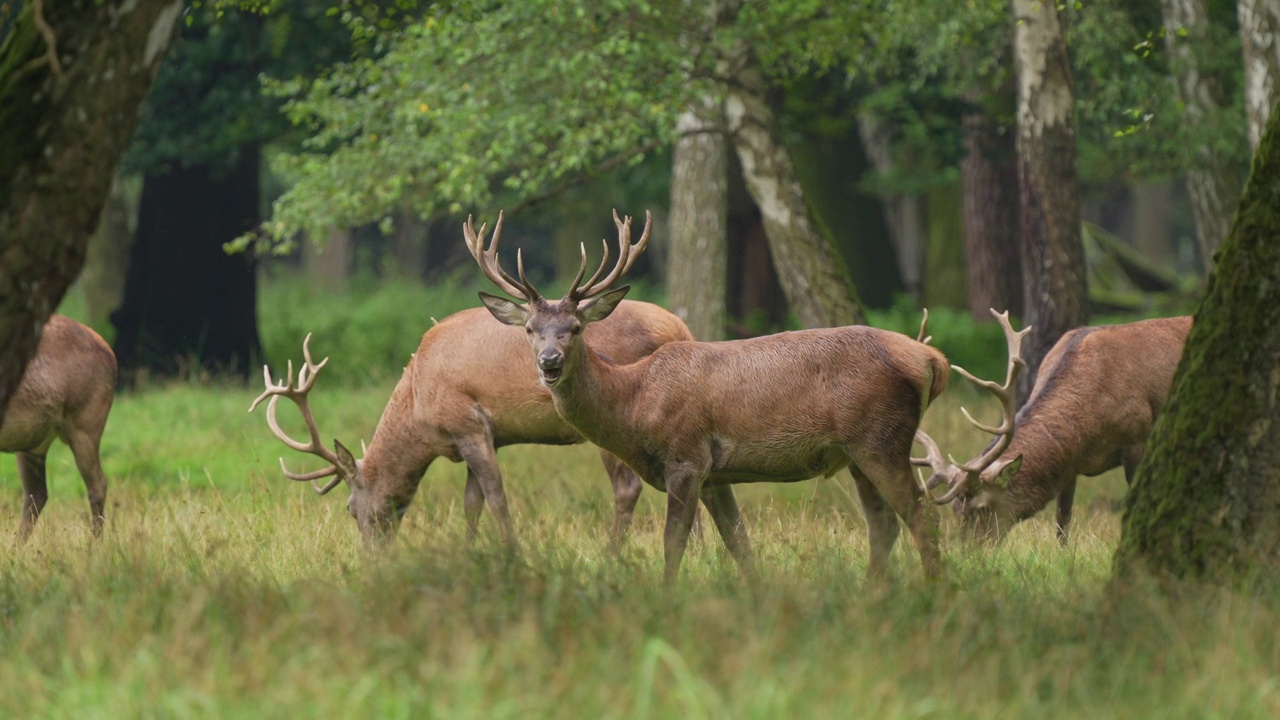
377	514
554	328
976	489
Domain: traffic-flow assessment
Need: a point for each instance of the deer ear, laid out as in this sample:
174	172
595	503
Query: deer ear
506	311
1005	473
599	308
347	466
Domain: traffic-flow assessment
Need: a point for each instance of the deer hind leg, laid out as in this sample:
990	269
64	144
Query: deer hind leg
472	505
1066	499
482	465
35	490
882	524
626	492
893	478
722	505
84	446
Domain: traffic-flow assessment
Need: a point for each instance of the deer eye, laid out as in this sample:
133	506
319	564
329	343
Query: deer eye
528	330
575	329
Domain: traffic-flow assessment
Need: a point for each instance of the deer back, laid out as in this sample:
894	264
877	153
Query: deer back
71	379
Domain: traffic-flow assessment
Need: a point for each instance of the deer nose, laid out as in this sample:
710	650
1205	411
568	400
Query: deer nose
550	359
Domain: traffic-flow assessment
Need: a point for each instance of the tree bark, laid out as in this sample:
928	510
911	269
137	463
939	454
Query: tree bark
989	177
1055	294
186	300
698	250
903	214
1206	501
813	275
72	76
1260	41
944	281
1212	182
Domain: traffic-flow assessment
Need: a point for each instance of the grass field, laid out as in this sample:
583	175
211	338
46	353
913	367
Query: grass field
223	590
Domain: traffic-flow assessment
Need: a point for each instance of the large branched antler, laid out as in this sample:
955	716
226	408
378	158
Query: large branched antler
298	394
488	260
959	475
627	254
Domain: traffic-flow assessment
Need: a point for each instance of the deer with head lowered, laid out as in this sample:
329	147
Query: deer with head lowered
467	391
66	392
1094	402
694	418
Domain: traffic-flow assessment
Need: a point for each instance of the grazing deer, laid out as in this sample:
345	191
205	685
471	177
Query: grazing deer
1091	409
467	391
693	418
66	392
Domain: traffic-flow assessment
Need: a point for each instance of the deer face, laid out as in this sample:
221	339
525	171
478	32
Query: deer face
554	330
986	515
376	512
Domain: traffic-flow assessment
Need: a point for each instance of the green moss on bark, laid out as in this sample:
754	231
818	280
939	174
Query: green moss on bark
1206	502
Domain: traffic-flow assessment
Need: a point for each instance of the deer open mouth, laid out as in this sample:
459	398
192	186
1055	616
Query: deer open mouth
551	376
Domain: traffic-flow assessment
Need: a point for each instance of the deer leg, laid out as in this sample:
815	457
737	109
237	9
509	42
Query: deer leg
35	491
882	524
683	486
1066	499
626	492
472	505
893	478
84	447
482	463
723	507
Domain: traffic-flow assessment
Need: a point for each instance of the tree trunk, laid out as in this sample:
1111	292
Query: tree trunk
698	250
186	300
944	281
409	246
72	77
1206	501
1055	294
1212	182
903	214
989	179
328	266
107	259
813	275
1260	40
1152	221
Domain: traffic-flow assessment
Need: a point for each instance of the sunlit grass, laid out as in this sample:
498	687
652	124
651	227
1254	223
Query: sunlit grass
222	589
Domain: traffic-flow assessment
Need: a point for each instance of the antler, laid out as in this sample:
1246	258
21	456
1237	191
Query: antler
627	254
488	260
959	475
298	394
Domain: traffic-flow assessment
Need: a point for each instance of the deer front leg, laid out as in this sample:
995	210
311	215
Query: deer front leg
723	507
1066	499
472	505
35	491
482	463
683	485
626	492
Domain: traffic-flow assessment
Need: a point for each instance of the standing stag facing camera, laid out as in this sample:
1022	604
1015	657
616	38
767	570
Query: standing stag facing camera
694	418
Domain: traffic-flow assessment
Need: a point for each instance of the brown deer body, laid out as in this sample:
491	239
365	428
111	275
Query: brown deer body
468	390
1094	402
694	418
66	393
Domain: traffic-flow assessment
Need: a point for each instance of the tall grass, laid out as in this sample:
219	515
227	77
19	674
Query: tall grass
223	590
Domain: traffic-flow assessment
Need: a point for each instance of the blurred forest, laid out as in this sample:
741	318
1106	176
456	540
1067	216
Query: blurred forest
807	163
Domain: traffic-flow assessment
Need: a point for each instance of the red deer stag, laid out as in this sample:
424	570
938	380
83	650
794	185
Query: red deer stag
66	392
693	418
467	391
1092	407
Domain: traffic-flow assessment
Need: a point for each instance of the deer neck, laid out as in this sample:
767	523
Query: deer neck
1047	466
595	397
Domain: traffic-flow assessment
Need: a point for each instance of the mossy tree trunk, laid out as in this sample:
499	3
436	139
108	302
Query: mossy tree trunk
1206	501
72	77
697	273
1055	294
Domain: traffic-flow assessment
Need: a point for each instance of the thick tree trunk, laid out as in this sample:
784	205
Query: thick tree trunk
1260	40
186	299
944	278
1206	501
107	259
72	76
813	275
698	250
903	214
1212	182
1055	297
989	177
